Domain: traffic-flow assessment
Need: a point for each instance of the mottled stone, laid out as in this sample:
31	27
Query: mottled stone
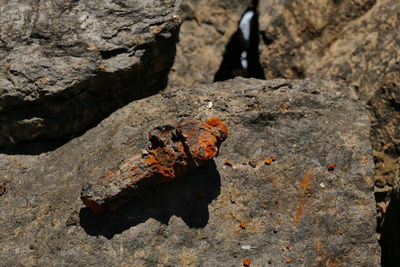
66	65
294	209
206	30
354	42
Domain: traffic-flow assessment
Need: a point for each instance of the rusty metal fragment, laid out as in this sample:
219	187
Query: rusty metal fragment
173	150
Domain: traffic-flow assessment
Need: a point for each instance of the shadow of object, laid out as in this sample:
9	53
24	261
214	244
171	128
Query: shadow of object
187	197
390	237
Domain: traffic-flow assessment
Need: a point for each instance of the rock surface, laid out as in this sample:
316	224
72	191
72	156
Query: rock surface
356	42
207	28
66	65
293	210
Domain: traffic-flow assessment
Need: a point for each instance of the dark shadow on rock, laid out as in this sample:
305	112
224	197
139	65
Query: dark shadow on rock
232	62
390	237
187	197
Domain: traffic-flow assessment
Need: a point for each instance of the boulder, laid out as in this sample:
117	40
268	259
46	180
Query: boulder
269	196
354	42
66	65
207	27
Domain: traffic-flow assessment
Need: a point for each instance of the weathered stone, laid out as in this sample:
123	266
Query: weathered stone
66	65
355	42
206	30
293	209
173	150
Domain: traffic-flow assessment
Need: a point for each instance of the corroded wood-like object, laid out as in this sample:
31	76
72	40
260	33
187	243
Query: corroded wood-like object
172	151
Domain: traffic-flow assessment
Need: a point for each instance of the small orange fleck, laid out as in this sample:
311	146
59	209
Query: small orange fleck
242	225
331	167
263	204
288	247
268	162
288	260
273	158
246	262
228	163
341	233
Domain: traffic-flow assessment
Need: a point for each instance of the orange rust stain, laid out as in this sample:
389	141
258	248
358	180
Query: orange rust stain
242	225
305	183
217	123
299	211
318	246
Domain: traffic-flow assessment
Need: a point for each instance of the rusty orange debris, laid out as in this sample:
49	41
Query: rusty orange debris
246	262
331	167
242	225
173	150
268	161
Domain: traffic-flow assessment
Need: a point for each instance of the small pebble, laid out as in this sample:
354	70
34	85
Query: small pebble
253	163
331	167
210	104
246	247
246	262
322	185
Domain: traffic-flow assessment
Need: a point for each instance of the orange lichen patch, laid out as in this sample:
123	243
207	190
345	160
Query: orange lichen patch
331	167
268	161
228	163
246	262
318	246
305	183
2	189
299	211
242	225
288	260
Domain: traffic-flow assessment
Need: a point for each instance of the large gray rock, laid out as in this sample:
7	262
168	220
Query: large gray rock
65	65
294	210
355	42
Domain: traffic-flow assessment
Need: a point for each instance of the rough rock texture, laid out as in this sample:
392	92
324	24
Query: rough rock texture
173	150
356	42
65	65
207	28
291	210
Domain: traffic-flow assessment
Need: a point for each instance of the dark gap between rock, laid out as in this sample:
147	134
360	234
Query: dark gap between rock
241	56
187	197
